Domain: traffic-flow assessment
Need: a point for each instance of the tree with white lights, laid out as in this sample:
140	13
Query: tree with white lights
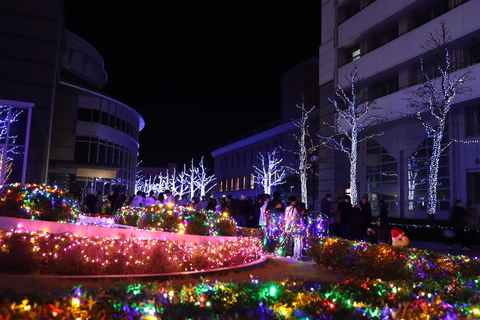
7	116
270	173
349	123
191	176
306	147
204	182
193	181
435	95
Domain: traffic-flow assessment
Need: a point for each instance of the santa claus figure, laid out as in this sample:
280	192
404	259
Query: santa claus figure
398	238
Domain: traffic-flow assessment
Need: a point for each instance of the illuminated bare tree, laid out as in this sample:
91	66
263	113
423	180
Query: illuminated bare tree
203	181
191	177
306	147
350	122
270	172
7	117
435	95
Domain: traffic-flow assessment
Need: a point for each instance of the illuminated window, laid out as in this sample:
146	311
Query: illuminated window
252	182
232	184
220	187
237	184
244	183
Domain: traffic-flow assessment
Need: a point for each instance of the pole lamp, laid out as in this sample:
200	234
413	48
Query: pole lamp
314	160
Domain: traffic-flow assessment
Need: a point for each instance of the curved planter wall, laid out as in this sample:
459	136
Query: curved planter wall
9	224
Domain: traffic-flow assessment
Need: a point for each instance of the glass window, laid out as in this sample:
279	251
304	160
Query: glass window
382	175
472	121
84	114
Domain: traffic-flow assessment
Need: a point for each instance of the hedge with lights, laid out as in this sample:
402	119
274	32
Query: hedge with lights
39	202
177	219
365	260
68	254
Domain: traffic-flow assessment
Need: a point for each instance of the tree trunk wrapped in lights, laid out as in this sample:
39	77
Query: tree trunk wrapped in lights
348	125
306	148
435	95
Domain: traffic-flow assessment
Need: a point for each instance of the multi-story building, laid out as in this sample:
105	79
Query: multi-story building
385	41
67	132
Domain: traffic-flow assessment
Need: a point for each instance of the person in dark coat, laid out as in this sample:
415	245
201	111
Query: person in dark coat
458	216
117	198
91	201
244	211
358	229
379	234
366	211
345	208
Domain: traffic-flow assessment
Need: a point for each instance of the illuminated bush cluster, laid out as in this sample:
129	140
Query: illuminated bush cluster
177	220
364	260
33	201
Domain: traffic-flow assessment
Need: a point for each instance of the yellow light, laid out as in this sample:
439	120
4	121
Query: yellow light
75	303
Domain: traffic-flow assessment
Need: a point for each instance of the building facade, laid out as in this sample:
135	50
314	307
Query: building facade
74	135
386	42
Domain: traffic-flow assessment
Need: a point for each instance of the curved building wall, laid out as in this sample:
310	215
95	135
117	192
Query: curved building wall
94	143
83	60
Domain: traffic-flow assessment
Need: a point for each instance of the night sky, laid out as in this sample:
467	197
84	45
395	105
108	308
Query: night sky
201	73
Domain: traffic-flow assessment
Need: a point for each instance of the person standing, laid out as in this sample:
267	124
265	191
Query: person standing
458	217
170	200
326	208
294	229
336	230
137	200
244	211
366	211
90	201
117	198
383	211
346	217
99	203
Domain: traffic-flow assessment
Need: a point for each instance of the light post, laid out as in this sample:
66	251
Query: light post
314	159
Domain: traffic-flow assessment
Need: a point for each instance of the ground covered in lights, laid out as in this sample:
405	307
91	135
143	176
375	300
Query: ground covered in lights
281	288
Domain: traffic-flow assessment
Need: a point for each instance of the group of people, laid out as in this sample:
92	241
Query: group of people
355	221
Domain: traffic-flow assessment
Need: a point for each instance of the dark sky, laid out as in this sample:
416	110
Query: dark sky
200	72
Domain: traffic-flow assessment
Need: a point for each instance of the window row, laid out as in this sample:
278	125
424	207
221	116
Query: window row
245	158
94	115
100	151
385	34
237	184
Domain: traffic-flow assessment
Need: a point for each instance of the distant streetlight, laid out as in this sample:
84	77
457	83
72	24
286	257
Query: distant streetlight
314	159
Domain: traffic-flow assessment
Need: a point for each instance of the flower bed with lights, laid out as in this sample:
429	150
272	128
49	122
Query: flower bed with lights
68	254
